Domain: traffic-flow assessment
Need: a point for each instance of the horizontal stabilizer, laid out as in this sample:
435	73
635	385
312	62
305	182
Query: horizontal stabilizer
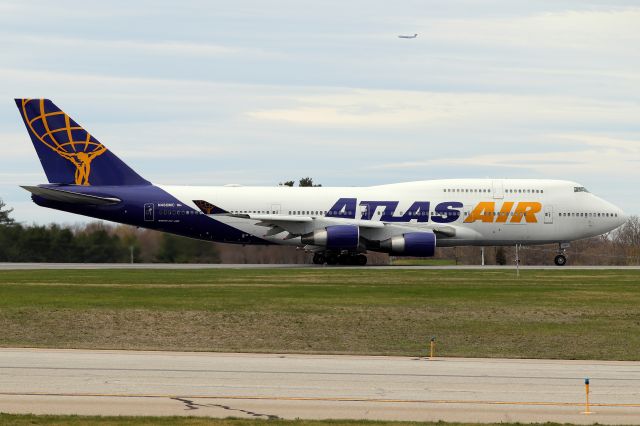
71	197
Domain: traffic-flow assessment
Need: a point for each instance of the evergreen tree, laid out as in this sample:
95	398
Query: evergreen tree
307	182
4	214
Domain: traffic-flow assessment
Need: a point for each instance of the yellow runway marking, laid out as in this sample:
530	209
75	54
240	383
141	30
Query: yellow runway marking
329	399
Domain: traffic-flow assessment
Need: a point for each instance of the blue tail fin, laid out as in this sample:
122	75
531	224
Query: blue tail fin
68	153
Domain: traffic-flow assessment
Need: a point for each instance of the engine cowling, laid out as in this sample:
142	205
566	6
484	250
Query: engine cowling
336	237
418	244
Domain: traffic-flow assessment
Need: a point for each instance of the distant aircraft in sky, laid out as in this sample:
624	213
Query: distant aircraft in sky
338	225
408	36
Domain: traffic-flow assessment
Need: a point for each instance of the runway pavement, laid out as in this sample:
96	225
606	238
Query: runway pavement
314	386
28	266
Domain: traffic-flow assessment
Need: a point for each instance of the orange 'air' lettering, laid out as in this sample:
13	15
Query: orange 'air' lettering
484	211
527	210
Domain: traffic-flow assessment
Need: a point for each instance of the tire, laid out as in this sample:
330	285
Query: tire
318	259
361	260
560	260
344	259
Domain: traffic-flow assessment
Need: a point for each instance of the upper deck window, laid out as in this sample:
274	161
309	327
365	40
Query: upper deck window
579	189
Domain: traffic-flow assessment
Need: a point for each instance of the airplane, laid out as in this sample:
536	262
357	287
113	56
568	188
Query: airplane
339	225
408	36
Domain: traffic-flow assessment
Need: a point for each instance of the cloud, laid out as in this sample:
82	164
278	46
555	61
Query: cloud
587	30
377	108
598	155
134	47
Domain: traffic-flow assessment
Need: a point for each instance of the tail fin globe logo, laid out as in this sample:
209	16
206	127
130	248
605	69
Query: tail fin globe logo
65	137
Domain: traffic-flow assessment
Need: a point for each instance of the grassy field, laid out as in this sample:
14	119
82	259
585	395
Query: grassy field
27	419
544	314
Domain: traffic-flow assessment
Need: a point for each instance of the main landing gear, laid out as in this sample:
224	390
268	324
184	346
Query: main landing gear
333	258
561	258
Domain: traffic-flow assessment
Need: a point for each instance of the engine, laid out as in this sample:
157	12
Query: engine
337	237
418	244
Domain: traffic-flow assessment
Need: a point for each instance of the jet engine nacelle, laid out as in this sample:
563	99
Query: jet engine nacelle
419	244
336	237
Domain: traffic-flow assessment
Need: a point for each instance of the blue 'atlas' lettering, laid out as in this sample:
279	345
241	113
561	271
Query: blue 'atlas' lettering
446	212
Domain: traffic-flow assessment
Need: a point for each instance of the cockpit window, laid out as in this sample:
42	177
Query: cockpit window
579	189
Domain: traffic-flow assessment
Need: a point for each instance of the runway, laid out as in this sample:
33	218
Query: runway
34	266
316	387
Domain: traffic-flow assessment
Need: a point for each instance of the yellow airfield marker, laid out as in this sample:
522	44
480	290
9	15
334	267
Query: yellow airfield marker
586	405
432	348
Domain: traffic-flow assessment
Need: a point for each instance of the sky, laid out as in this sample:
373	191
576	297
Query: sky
258	92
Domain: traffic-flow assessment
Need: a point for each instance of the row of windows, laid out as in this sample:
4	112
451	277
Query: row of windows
468	190
574	214
253	212
319	213
508	191
349	213
524	191
177	212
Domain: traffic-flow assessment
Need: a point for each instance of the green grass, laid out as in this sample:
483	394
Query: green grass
30	419
570	314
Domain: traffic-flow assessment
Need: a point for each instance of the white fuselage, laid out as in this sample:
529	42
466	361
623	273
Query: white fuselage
475	212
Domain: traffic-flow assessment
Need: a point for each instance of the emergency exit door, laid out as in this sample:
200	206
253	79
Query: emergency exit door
548	214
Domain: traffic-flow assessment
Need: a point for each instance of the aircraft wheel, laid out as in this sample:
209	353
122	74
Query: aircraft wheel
344	259
560	260
361	260
332	259
318	259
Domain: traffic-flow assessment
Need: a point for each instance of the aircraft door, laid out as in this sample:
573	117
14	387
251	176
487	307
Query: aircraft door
275	209
497	189
149	212
548	213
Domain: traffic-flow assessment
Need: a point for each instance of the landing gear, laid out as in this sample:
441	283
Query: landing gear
560	260
332	258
